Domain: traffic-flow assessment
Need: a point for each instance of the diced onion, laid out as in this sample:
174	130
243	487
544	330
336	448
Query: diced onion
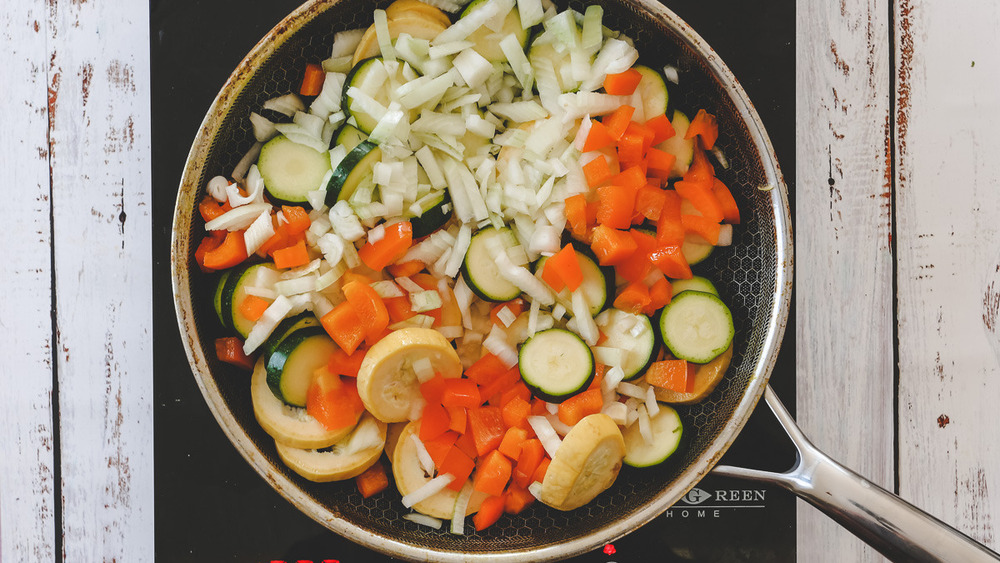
258	232
616	411
428	489
631	390
644	427
546	434
426	463
461	507
386	289
497	344
264	326
424	520
238	218
535	488
652	407
451	332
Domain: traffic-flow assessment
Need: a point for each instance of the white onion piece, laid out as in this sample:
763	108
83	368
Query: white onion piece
238	218
297	286
258	232
240	170
386	289
262	292
264	326
263	128
535	488
461	507
618	412
320	304
424	520
473	21
561	428
725	235
644	427
428	489
497	344
586	327
518	275
652	407
451	332
426	463
217	188
286	105
632	390
546	434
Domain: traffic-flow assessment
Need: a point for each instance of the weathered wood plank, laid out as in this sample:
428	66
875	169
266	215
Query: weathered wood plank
843	251
948	67
27	477
100	176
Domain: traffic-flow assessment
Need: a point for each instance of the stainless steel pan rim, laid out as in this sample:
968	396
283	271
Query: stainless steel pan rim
181	248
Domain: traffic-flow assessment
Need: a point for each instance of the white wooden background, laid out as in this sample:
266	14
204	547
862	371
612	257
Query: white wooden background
898	267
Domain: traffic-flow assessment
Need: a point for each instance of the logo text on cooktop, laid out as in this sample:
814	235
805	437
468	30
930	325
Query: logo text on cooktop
701	503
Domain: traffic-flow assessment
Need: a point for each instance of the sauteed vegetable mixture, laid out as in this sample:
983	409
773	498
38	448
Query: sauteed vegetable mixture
466	242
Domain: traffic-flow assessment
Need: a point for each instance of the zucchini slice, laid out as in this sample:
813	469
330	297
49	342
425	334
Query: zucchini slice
487	42
436	210
697	283
598	281
352	171
232	293
288	425
284	328
556	364
678	146
217	298
652	89
696	326
696	249
371	77
290	170
634	335
349	136
290	367
480	268
667	431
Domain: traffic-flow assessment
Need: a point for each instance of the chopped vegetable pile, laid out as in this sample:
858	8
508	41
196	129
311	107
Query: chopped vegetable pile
466	242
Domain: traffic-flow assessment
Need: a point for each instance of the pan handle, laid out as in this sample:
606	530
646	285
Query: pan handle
896	528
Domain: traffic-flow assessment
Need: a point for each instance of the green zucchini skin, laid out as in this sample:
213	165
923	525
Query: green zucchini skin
617	339
590	273
217	298
546	350
432	219
286	327
349	136
284	182
346	100
228	299
688	306
351	171
477	273
278	372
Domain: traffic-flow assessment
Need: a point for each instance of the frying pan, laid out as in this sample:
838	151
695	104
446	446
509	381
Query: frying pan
754	276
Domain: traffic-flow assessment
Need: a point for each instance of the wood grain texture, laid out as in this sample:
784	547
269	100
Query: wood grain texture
27	473
100	190
948	68
843	252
